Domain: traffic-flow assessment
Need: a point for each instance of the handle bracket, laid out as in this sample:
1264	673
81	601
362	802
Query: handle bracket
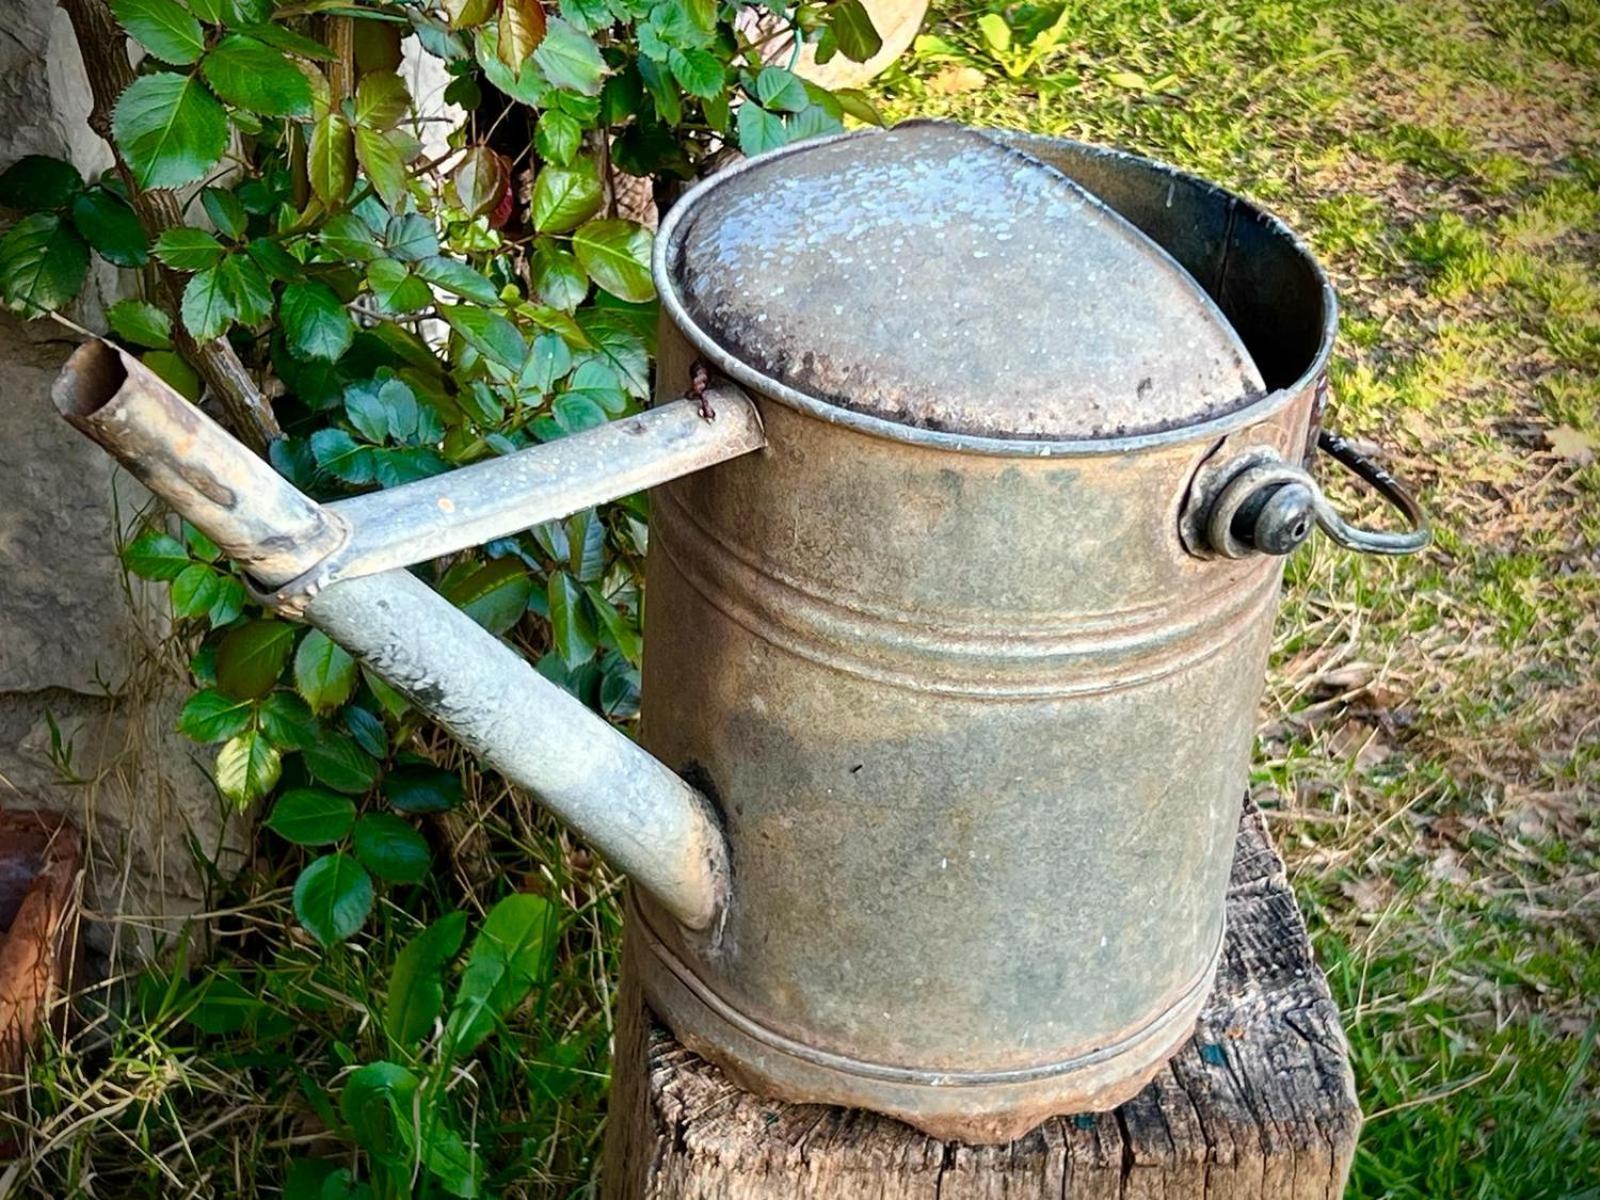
1268	506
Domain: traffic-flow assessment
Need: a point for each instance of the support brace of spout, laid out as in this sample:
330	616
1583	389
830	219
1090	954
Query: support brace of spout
645	819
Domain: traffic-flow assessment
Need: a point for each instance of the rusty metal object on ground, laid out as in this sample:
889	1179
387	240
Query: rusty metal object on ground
40	855
958	645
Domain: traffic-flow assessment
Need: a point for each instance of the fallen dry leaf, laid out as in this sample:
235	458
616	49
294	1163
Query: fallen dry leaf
952	81
1573	444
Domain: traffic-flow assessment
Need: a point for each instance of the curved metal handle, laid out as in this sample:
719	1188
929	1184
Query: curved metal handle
1353	537
1270	507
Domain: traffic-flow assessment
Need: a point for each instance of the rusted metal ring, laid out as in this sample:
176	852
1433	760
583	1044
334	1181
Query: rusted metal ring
1354	537
291	599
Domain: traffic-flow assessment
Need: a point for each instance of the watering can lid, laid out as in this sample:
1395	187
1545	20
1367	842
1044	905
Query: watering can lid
933	277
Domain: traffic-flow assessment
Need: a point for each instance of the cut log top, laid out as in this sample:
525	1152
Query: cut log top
1259	1104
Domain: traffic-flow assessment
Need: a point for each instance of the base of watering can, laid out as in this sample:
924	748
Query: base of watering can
977	1108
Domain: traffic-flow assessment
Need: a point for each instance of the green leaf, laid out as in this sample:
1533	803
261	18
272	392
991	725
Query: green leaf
571	634
490	334
391	701
623	634
331	161
287	721
186	249
781	91
247	288
337	761
225	210
494	594
416	985
332	898
229	603
480	180
377	1103
464	14
248	767
176	373
195	590
154	555
759	130
996	33
526	87
315	322
381	100
324	672
569	58
42	264
110	226
698	72
458	278
383	409
391	849
557	137
852	28
411	237
341	456
859	105
273	260
616	254
422	789
253	76
311	816
348	236
38	183
208	308
446	1155
395	288
368	731
211	716
558	278
521	29
287	39
510	955
170	129
566	197
163	27
244	13
140	323
381	158
251	657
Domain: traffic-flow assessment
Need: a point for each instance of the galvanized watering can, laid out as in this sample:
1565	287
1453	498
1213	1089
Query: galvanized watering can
953	654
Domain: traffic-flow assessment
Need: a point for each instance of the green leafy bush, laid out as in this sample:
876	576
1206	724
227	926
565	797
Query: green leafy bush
407	316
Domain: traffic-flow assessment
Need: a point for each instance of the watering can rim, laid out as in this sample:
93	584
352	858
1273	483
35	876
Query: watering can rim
667	241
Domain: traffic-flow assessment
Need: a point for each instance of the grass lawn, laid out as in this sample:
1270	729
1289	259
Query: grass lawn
1430	751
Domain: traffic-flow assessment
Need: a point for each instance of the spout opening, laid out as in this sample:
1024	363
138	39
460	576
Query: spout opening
89	381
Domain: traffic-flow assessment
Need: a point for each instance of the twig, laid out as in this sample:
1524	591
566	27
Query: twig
105	61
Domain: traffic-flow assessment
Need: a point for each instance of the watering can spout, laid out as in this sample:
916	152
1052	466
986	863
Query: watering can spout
341	567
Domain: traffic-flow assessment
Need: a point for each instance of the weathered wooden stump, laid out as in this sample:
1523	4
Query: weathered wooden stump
1260	1104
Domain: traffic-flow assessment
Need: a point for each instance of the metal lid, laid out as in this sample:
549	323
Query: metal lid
933	277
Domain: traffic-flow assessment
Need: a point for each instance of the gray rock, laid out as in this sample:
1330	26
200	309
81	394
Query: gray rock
90	682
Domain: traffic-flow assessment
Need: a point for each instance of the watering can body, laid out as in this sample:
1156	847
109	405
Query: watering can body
978	723
949	687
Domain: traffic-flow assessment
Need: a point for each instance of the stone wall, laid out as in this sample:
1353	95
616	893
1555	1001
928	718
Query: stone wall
90	682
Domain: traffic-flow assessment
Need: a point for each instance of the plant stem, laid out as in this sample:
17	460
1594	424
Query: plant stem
105	61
